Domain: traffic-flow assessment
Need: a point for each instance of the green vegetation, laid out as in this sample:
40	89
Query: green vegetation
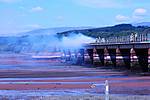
113	31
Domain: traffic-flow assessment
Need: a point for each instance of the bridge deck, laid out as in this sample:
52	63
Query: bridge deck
136	45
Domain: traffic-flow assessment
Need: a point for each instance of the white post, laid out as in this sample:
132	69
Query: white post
106	90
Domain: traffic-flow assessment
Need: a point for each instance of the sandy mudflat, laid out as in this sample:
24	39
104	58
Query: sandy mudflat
19	74
74	78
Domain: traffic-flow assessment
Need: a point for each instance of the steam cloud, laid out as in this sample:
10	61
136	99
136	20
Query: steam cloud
75	41
42	43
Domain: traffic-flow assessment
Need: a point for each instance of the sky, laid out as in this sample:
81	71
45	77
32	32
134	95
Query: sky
24	15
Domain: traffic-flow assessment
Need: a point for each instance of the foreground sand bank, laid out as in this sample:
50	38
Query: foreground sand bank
80	97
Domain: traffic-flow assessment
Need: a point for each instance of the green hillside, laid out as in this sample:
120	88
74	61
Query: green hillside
117	30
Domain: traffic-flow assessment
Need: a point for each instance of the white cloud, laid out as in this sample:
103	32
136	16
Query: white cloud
140	11
121	18
9	1
37	9
139	14
99	3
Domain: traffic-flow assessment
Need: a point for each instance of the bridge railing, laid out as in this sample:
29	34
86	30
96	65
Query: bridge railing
133	38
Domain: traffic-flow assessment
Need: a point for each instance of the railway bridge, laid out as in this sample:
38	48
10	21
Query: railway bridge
130	54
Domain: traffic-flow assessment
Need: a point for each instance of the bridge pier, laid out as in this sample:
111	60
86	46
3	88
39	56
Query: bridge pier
142	56
80	57
125	54
86	57
90	54
119	60
134	55
96	60
100	53
112	54
149	59
134	60
106	57
68	55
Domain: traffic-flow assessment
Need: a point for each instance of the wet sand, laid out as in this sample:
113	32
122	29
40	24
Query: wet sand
64	79
79	97
27	75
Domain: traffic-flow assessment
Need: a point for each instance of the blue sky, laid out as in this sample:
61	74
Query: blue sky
24	15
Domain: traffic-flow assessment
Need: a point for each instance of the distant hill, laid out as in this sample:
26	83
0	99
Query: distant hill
50	31
36	40
142	24
117	30
48	39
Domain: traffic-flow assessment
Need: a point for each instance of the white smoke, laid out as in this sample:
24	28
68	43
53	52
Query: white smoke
43	43
75	41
